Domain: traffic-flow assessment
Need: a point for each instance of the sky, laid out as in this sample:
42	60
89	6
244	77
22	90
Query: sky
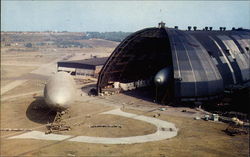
128	16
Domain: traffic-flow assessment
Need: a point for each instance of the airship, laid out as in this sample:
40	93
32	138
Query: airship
59	91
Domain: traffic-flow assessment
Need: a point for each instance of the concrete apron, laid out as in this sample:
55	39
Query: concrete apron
165	130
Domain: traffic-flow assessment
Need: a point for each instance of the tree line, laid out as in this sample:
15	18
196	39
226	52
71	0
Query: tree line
113	36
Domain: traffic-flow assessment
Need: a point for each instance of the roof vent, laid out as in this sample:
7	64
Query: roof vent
221	28
161	25
195	28
206	28
224	28
176	27
233	28
210	28
189	28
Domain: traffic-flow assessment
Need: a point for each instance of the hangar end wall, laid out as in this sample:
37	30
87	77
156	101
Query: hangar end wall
203	63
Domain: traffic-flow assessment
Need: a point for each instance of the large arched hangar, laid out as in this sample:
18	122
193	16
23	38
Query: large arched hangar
192	65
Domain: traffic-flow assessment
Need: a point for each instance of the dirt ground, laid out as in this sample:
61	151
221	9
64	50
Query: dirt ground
195	137
10	73
24	107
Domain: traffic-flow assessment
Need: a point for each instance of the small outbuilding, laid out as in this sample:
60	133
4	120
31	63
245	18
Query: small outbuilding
82	68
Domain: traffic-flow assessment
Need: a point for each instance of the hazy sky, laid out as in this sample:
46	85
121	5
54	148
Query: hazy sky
120	15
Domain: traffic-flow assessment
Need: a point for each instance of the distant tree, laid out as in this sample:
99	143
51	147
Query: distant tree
66	44
113	36
29	45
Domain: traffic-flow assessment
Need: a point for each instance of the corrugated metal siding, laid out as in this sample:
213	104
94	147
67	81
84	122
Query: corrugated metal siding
243	44
204	62
233	63
211	73
232	57
237	55
226	69
216	53
194	71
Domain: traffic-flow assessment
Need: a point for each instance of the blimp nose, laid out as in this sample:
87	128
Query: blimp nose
59	91
59	99
163	76
158	80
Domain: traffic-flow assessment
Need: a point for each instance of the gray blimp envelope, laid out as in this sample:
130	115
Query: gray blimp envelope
59	92
163	76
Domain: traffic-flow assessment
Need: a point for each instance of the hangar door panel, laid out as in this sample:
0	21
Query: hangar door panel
195	73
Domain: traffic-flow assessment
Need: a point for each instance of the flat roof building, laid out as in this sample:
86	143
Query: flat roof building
82	68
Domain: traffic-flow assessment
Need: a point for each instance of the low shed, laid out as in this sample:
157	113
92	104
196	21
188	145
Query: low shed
87	67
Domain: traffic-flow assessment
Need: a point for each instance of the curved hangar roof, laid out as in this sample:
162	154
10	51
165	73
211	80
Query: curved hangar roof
203	63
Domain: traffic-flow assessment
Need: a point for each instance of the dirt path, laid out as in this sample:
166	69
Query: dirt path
22	64
11	86
46	69
19	95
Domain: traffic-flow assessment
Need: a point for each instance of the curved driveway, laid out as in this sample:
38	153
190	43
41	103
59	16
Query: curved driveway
164	131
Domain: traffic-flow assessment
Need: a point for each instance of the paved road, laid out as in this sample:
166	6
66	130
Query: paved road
165	130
